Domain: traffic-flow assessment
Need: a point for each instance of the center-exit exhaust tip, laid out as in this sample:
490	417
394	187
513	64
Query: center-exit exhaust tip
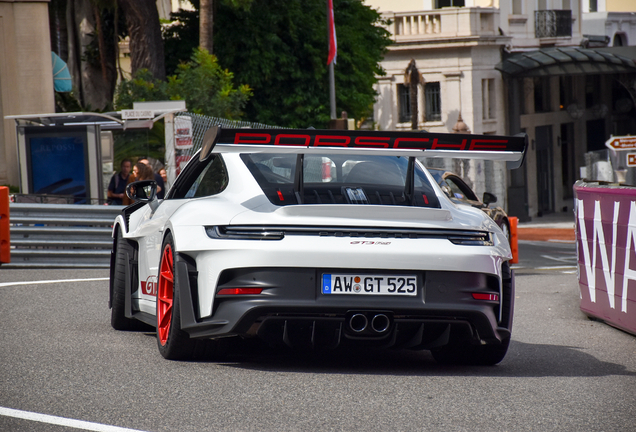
358	323
380	323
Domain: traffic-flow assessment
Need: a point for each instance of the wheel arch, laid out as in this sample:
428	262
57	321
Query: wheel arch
113	253
134	273
189	286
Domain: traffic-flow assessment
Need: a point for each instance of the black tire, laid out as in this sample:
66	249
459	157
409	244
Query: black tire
505	227
489	355
461	351
467	354
118	318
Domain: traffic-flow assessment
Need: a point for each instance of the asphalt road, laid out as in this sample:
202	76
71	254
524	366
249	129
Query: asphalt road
536	257
60	357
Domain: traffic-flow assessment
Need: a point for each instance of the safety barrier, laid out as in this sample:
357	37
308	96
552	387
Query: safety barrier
5	233
606	250
61	235
514	239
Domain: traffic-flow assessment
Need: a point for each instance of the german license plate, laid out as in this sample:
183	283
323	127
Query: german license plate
401	285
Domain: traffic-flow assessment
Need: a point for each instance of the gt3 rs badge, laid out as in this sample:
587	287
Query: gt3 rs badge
357	242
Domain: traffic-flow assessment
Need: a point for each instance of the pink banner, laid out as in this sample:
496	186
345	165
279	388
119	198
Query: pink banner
606	249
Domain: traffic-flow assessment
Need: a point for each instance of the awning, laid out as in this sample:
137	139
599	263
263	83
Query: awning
61	75
107	121
565	61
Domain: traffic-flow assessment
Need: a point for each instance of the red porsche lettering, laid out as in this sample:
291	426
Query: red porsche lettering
332	141
398	143
453	146
488	144
252	138
292	140
372	142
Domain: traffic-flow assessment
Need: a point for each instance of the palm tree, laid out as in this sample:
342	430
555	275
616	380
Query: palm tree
206	25
146	45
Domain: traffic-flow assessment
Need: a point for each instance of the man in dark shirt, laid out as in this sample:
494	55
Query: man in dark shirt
117	185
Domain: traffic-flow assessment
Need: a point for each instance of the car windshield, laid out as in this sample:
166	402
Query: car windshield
340	179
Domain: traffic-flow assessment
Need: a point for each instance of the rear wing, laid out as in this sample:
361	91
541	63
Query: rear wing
413	144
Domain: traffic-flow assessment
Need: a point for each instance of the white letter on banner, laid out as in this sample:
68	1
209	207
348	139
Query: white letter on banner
586	253
628	273
590	268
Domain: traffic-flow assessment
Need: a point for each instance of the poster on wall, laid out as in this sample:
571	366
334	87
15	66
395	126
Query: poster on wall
183	132
181	162
58	163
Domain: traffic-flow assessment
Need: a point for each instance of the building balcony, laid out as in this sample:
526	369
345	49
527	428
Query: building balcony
552	23
443	24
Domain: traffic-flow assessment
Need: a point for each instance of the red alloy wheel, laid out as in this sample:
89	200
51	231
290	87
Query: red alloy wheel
165	294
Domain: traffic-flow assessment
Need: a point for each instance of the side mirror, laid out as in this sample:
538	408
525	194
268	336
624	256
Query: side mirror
144	190
447	190
489	198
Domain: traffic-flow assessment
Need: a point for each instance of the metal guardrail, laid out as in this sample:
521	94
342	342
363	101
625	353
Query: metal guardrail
61	235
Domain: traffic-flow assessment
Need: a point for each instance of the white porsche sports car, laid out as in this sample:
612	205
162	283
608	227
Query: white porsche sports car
315	239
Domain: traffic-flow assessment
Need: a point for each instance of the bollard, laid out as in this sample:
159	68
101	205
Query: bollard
5	241
514	240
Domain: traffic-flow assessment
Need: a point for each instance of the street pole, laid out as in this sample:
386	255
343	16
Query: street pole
332	91
332	79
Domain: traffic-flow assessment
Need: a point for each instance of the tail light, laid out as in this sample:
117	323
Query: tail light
486	296
239	291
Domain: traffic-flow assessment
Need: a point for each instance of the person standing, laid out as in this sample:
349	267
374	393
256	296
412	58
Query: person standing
140	172
164	176
161	188
117	186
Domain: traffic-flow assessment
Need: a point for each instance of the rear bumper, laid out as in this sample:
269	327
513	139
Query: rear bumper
292	310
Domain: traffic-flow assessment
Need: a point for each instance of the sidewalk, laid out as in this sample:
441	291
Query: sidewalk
552	227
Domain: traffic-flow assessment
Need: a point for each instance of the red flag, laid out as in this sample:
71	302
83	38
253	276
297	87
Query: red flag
333	44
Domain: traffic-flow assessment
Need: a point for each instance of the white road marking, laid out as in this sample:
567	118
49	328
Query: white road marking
6	284
557	268
560	259
62	421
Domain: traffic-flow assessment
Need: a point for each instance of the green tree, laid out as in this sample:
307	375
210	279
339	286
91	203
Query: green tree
206	88
180	37
279	47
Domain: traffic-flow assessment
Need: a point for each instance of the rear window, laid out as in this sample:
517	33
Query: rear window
340	179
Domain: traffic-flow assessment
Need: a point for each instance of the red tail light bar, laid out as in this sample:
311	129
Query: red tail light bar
486	296
239	291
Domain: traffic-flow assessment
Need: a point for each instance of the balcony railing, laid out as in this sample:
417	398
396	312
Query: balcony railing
443	23
417	24
552	23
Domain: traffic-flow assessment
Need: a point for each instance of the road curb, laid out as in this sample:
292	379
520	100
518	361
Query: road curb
546	234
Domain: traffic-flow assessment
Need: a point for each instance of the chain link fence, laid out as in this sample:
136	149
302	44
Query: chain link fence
189	129
201	123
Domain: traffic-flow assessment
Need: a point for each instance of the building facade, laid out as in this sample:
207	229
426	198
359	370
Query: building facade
613	19
26	74
454	50
508	67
